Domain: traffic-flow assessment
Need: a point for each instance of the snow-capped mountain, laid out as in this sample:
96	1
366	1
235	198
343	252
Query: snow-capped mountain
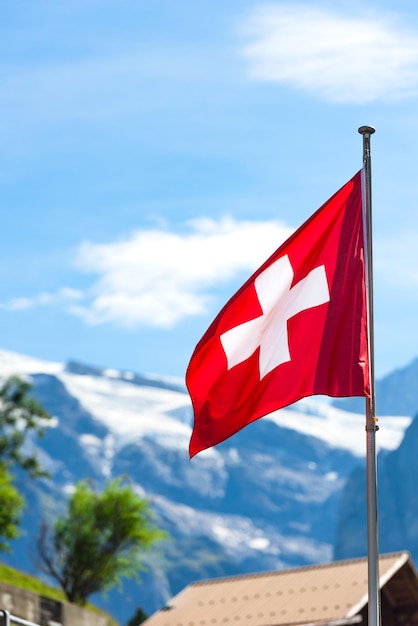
267	498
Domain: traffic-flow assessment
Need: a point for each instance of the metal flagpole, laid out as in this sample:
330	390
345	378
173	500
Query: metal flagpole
371	425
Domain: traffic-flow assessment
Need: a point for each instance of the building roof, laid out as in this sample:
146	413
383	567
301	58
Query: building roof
334	592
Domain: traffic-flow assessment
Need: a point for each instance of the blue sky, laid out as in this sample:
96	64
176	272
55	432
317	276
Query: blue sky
155	152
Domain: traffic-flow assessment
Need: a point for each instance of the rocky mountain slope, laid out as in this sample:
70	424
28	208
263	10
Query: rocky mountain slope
267	498
397	503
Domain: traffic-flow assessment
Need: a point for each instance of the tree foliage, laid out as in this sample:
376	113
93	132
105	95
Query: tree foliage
100	539
11	504
20	415
138	617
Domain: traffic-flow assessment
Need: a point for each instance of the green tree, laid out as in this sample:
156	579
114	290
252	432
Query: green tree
101	538
20	415
10	509
138	617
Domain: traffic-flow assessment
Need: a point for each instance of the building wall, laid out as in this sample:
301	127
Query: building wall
34	608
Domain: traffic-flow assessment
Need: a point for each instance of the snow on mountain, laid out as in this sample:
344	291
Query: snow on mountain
132	411
147	411
339	428
242	536
13	363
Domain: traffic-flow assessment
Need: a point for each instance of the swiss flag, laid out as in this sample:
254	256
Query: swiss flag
296	328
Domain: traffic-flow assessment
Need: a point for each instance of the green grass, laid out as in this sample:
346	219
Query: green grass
31	583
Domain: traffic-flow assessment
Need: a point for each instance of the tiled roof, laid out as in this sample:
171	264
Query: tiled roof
335	592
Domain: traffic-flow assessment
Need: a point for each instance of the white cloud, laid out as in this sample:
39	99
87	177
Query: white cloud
66	294
156	278
345	58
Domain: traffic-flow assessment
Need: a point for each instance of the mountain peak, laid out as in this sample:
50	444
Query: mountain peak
142	380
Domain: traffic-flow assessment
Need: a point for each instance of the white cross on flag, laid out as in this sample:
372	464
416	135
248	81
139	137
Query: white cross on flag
296	328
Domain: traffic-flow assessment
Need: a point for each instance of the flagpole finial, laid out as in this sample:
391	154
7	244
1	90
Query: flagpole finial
366	130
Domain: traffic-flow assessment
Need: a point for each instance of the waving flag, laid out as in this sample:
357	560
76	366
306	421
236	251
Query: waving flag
296	328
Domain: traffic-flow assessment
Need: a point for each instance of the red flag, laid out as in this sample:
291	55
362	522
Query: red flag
296	328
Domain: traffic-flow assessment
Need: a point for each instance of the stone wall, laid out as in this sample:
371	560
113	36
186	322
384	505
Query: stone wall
40	610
